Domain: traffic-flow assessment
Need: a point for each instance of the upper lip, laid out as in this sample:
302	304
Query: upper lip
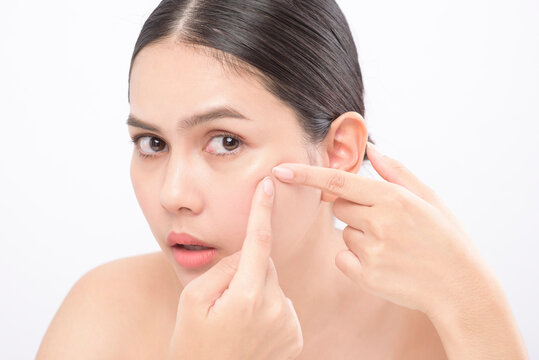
183	238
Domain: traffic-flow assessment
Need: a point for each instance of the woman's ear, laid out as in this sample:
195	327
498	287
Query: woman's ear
345	142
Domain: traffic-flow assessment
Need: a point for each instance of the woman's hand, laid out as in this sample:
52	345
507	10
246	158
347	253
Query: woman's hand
238	311
406	246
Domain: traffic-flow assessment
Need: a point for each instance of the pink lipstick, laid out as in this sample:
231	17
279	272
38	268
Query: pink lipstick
188	251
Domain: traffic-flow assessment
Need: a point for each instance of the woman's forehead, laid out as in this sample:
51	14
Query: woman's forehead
170	79
185	65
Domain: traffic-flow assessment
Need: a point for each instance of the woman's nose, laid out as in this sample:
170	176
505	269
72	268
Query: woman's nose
179	191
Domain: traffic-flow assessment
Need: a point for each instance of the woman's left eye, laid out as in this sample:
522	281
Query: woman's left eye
229	143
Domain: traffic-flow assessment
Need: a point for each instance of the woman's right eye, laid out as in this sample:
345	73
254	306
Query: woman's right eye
148	146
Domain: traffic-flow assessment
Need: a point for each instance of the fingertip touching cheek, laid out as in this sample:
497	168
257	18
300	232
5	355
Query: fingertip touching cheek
230	199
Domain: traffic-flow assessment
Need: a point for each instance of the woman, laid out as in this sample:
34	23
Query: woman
252	267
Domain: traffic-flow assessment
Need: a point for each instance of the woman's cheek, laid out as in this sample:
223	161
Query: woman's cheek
145	186
230	204
295	210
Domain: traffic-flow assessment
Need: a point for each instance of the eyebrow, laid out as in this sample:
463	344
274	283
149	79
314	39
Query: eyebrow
193	120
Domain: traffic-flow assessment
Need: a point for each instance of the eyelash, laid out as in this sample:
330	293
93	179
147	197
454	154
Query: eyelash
135	139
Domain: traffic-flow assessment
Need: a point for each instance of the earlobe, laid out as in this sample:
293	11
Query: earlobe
346	141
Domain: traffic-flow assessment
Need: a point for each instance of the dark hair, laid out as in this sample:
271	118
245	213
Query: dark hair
301	50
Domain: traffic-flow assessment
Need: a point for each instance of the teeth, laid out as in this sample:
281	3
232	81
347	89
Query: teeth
194	247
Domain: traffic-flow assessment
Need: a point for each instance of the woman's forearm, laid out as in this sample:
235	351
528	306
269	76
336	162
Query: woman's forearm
480	325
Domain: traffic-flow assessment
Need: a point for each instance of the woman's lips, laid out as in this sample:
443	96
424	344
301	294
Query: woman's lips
189	258
192	258
184	238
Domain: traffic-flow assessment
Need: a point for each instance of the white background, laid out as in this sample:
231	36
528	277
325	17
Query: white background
452	91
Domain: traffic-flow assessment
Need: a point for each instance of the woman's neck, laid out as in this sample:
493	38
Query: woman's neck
320	292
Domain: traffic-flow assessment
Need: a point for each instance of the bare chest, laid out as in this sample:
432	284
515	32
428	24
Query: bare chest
398	338
342	343
392	334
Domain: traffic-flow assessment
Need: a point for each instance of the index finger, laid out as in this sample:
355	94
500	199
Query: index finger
340	183
256	249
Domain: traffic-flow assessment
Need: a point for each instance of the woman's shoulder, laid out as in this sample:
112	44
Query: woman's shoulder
123	304
138	280
140	272
142	279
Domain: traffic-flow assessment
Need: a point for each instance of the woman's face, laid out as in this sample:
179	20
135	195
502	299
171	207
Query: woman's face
201	177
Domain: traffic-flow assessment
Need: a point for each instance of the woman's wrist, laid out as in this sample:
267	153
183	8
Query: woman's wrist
476	322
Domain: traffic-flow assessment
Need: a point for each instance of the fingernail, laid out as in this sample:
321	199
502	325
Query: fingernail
268	186
283	173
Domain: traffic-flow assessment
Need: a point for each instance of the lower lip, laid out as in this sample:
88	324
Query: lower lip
192	258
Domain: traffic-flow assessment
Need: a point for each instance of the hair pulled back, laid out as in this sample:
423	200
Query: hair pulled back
301	50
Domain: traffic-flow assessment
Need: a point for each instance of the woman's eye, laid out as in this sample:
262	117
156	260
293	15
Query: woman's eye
149	145
223	145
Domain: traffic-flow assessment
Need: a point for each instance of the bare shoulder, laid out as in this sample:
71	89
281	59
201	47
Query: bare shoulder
126	305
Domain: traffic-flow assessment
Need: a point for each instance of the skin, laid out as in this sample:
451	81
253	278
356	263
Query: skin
185	188
371	302
241	294
406	246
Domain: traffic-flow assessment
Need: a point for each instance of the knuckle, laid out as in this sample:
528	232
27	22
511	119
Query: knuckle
266	203
339	207
378	228
272	271
189	295
336	182
377	249
391	192
230	264
401	196
351	236
373	253
297	346
288	310
398	166
294	335
306	177
277	311
262	236
248	301
372	223
347	242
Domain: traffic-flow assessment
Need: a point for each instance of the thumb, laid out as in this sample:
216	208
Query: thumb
209	286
